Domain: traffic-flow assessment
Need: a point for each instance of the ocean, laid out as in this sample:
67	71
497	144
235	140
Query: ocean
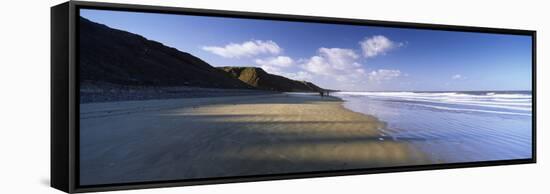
453	126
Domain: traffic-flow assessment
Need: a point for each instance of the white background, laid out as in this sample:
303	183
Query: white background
25	97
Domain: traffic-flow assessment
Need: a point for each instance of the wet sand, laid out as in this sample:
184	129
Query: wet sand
153	140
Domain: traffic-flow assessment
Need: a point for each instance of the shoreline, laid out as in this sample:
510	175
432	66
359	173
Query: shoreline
231	136
457	128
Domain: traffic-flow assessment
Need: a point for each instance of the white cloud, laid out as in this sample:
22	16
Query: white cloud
279	61
377	45
337	63
275	65
245	49
283	66
300	75
272	69
330	68
384	74
457	76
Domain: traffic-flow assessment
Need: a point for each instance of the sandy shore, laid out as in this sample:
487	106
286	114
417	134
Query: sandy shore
230	136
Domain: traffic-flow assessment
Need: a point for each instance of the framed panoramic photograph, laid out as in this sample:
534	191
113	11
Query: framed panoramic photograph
146	96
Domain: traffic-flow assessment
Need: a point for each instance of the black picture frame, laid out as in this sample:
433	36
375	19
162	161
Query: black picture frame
65	95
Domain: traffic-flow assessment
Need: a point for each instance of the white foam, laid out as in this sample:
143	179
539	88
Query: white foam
472	110
481	104
439	94
520	102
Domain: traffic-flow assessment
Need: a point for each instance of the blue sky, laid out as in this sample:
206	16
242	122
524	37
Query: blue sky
346	57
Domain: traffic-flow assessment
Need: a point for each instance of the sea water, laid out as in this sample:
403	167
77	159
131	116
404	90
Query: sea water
453	126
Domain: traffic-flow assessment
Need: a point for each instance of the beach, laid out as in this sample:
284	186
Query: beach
189	138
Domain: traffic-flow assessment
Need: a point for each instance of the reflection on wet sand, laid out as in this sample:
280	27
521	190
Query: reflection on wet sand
213	137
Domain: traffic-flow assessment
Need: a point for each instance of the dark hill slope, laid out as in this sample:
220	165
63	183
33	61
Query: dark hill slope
260	79
119	57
